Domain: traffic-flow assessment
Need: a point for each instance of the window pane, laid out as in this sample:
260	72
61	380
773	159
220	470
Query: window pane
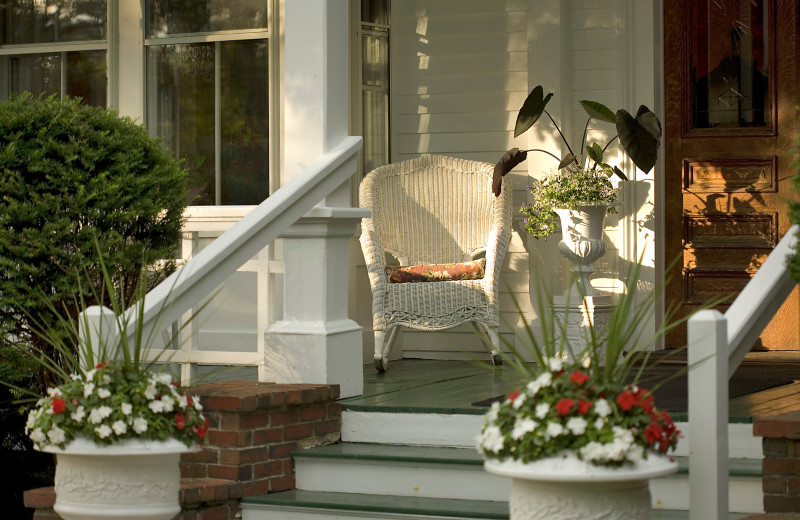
245	122
375	11
39	74
180	109
52	21
730	63
85	76
164	17
375	61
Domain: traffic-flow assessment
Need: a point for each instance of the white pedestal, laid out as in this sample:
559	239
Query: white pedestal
316	342
579	314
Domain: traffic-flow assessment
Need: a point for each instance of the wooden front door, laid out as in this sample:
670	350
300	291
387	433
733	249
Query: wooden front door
730	124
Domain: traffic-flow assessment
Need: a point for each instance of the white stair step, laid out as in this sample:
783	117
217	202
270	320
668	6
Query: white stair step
459	430
457	473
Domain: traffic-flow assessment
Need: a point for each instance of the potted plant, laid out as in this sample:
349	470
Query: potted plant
583	436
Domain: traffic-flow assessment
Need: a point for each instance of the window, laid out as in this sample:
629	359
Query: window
207	93
375	82
54	47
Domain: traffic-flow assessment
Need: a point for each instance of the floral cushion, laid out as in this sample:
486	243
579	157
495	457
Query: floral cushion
473	270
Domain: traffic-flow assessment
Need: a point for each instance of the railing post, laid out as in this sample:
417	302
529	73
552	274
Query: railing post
708	416
315	342
97	328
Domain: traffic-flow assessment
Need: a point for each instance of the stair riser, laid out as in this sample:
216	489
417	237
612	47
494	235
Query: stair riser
460	431
473	483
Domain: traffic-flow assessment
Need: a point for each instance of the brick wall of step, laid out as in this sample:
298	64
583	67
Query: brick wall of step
781	464
253	428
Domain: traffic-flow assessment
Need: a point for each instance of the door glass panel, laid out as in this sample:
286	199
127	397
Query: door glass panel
169	17
730	64
51	21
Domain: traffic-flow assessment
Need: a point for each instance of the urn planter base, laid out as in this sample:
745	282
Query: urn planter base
129	480
565	488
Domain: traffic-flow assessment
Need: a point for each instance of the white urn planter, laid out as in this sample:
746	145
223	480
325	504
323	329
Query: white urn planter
567	488
582	244
128	480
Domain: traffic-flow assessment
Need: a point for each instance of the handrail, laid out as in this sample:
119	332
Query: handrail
717	345
205	271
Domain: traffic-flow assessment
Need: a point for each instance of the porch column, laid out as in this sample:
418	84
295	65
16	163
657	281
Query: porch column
315	342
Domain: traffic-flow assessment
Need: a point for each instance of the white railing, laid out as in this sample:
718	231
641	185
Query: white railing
717	344
243	241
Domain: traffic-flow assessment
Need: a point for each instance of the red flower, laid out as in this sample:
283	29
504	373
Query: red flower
101	365
645	400
653	433
189	401
59	405
578	377
202	430
584	407
513	395
180	420
564	406
626	400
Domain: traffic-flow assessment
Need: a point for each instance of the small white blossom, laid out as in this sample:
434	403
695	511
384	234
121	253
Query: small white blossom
164	378
126	408
119	427
88	389
90	374
199	407
577	425
523	426
491	439
156	406
151	392
78	414
53	392
139	425
555	364
103	431
554	429
97	415
37	436
169	403
518	402
103	393
491	415
106	379
599	423
31	422
541	410
56	435
74	376
183	401
602	408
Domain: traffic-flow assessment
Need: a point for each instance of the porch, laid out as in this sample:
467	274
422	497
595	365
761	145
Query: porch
407	444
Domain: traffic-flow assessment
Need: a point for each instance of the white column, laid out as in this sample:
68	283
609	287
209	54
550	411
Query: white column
316	342
97	328
708	416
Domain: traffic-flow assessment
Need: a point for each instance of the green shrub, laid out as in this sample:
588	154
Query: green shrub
69	172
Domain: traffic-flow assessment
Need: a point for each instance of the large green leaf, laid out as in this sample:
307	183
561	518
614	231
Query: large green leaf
569	158
598	111
595	153
506	163
640	136
531	110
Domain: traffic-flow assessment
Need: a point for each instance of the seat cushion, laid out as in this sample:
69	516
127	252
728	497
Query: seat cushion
473	270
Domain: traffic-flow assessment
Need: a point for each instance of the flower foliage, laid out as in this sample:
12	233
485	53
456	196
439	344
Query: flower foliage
109	404
568	189
564	408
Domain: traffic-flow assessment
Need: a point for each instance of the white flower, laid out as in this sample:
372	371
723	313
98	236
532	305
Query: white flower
126	408
106	379
56	435
199	407
554	429
97	415
90	374
103	431
555	364
602	408
519	401
164	378
577	425
599	423
523	426
74	376
139	425
491	439
169	403
78	414
183	401
103	393
541	410
31	422
151	392
491	415
53	392
119	427
88	389
156	406
37	436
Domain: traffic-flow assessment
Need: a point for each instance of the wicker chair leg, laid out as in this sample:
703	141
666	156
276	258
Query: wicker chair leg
384	340
490	336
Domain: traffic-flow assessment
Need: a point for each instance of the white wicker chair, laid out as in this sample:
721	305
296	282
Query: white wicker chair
434	210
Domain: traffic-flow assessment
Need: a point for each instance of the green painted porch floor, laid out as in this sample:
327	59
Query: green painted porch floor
450	387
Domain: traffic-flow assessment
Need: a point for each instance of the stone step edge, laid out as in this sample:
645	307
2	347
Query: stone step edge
391	453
